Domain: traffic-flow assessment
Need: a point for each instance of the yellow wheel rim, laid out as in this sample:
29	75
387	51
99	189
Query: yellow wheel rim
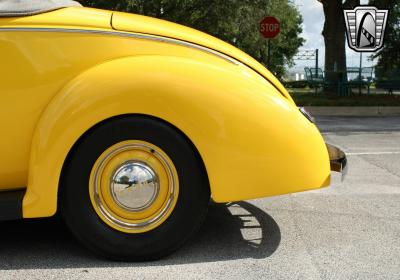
133	186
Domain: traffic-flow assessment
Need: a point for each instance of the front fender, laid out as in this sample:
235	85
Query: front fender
252	140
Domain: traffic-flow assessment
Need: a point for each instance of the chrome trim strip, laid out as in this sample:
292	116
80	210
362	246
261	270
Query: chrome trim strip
124	34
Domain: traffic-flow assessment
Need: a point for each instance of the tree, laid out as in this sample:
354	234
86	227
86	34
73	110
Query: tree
334	34
234	21
389	57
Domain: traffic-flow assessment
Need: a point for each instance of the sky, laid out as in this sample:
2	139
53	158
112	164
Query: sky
313	23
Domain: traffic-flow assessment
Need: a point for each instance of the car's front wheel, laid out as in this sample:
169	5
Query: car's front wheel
134	188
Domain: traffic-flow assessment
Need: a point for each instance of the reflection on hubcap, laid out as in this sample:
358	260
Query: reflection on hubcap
134	186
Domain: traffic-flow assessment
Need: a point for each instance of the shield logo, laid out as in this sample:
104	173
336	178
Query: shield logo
365	26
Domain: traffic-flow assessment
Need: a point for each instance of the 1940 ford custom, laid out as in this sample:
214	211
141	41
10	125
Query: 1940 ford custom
128	125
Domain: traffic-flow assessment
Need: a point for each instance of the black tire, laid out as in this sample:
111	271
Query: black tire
82	219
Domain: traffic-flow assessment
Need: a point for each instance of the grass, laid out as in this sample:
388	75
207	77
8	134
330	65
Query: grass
307	98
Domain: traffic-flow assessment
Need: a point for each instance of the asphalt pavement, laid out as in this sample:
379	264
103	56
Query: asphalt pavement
350	230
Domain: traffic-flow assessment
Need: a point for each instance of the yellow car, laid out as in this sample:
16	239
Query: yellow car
128	125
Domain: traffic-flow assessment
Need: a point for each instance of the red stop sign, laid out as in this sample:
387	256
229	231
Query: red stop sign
270	27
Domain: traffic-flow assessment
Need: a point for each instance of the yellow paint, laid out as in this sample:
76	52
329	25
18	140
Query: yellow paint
148	25
254	142
165	187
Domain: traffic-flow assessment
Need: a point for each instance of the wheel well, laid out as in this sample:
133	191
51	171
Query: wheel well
76	144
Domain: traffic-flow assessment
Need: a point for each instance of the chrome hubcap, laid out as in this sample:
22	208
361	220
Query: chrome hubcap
134	186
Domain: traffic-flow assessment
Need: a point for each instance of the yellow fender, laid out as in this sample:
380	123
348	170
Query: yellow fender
253	141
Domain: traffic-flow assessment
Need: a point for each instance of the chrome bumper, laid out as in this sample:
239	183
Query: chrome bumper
338	159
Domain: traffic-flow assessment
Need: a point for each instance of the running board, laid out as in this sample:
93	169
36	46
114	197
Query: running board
11	204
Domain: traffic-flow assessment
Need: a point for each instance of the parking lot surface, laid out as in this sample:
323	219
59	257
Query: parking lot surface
350	230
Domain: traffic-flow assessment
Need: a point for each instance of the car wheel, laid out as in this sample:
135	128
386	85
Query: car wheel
134	188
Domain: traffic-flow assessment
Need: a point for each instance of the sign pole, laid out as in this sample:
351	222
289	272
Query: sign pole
269	53
269	28
316	69
359	75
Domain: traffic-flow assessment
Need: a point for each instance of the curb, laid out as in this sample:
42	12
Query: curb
356	111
